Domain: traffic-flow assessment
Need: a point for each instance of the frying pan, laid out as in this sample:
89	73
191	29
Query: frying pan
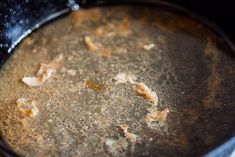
20	18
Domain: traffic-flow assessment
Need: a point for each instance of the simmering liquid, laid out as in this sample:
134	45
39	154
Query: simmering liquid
118	81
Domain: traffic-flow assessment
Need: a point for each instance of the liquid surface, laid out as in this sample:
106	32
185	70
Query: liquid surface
82	110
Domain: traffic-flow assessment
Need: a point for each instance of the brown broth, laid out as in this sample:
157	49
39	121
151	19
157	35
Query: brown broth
80	107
